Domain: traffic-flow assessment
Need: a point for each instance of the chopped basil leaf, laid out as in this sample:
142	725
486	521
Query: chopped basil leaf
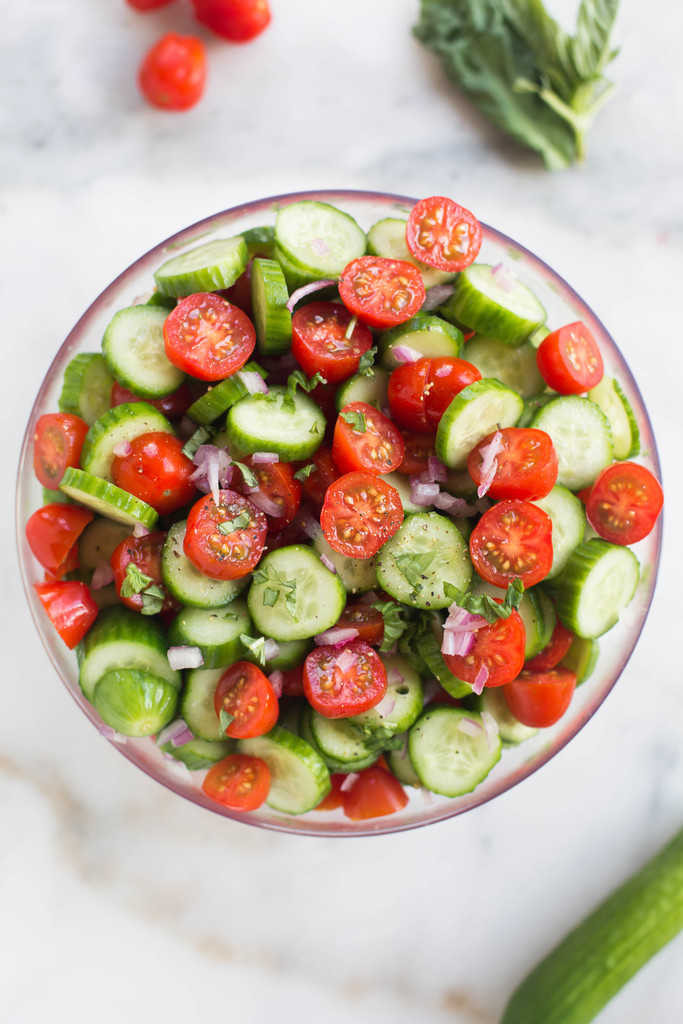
290	597
200	437
315	429
256	647
394	623
300	380
367	362
355	420
484	604
270	596
413	566
225	719
450	591
279	584
249	476
305	471
240	522
135	582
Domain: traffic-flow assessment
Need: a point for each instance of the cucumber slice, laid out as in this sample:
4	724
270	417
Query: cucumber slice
86	390
215	631
548	614
582	438
319	238
207	268
291	653
217	400
198	754
299	778
508	313
398	709
610	397
539	335
133	347
516	368
186	583
55	497
98	542
427	551
597	583
167	302
401	766
133	702
388	238
116	426
260	241
107	499
296	276
401	484
371	390
269	297
446	759
533	405
581	658
426	333
569	524
197	707
428	643
309	600
120	638
356	574
511	730
342	748
474	413
292	426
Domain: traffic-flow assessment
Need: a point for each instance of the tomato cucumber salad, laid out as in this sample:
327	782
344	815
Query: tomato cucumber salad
334	515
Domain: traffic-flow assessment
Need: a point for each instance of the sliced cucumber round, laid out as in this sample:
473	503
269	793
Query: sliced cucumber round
269	297
610	397
342	748
291	425
217	400
116	426
133	702
446	759
548	615
186	583
309	598
474	413
427	551
398	709
133	346
401	766
569	524
198	754
388	238
290	653
86	390
206	268
107	499
197	707
369	389
581	658
516	368
98	542
356	574
511	730
581	436
299	778
597	583
319	238
427	334
428	643
498	308
260	241
215	631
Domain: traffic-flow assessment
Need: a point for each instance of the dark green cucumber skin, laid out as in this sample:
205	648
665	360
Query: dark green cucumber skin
580	976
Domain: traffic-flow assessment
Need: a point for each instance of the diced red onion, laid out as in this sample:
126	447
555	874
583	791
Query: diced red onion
435	472
346	660
176	733
214	469
310	527
490	728
271	649
386	705
461	621
185	657
405	354
348	782
456	643
264	503
308	289
264	458
139	530
276	681
457	507
489	462
429	691
253	382
336	636
503	277
480	680
328	563
422	494
122	449
436	296
469	727
395	677
102	576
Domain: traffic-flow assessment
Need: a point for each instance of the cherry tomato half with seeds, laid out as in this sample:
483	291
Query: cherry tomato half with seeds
225	541
173	406
156	471
236	20
145	554
276	490
207	337
406	395
553	652
374	794
443	234
239	781
368	621
70	608
320	342
512	539
343	681
51	533
419	448
173	73
359	514
246	693
525	466
498	648
569	360
624	503
57	444
539	699
382	292
366	440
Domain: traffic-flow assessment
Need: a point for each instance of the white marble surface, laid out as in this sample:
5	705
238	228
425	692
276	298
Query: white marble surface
122	902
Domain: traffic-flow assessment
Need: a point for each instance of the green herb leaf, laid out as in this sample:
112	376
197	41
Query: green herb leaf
355	420
315	429
278	584
451	592
135	581
202	435
394	623
152	600
240	522
270	596
367	362
248	475
413	566
305	471
300	380
225	719
290	597
484	604
256	645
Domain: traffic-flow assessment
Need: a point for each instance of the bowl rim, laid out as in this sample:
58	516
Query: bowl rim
382	826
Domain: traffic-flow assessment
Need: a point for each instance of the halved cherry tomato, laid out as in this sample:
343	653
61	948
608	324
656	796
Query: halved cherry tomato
276	488
419	448
70	608
145	553
343	681
57	444
539	699
365	439
236	20
219	554
443	234
325	473
246	693
173	73
335	797
498	647
624	503
52	531
293	681
367	620
374	794
239	294
207	337
420	392
553	652
525	466
382	292
359	514
512	539
156	471
319	340
173	406
239	781
447	377
569	360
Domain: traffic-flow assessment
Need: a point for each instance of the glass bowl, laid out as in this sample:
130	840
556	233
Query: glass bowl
517	763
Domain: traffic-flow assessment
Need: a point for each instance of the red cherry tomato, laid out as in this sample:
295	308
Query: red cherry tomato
367	620
569	360
239	294
359	514
236	20
553	652
246	693
70	608
325	473
443	234
57	444
526	465
365	439
420	392
319	340
221	555
447	377
343	681
498	647
335	797
276	488
173	406
382	292
419	448
156	471
207	337
539	699
374	794
145	554
624	503
512	539
51	533
148	5
173	73
293	681
239	781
